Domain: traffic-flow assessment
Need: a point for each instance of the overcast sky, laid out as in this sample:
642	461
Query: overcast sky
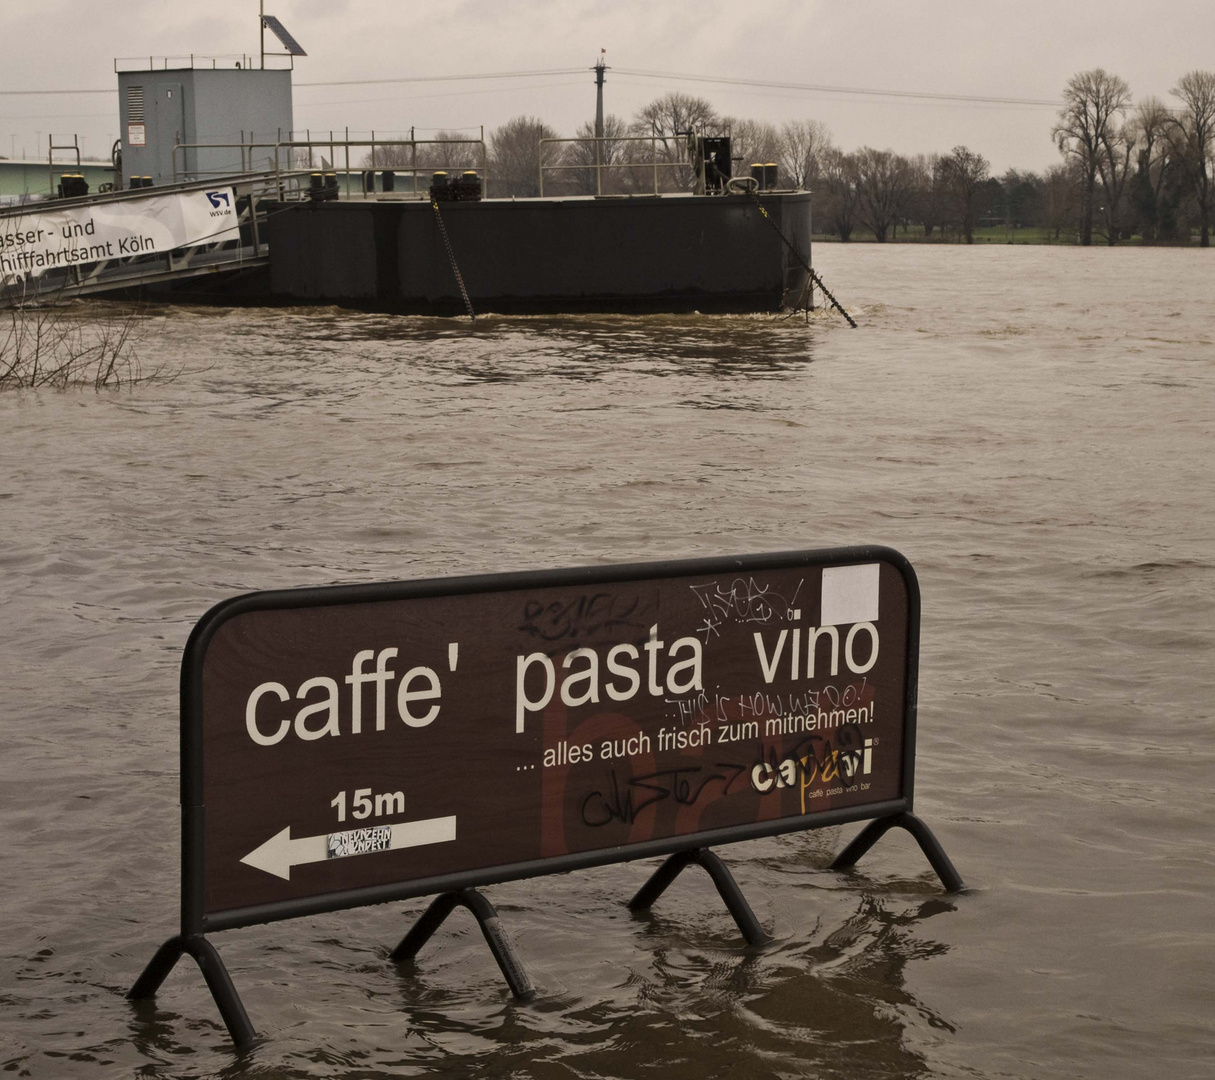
969	48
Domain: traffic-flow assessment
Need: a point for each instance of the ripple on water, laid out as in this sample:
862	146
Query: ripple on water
1030	433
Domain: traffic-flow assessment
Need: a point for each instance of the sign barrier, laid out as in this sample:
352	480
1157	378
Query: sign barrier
354	745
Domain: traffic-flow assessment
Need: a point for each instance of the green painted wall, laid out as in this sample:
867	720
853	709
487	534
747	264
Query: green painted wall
20	177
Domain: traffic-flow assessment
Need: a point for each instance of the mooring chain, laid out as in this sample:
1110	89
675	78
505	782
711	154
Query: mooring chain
434	203
798	256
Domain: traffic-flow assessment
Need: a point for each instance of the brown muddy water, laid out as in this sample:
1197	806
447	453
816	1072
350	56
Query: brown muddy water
1032	427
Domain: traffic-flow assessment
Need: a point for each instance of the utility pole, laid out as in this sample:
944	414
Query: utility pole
600	68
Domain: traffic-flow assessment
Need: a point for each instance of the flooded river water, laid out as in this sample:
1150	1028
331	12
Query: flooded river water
1032	427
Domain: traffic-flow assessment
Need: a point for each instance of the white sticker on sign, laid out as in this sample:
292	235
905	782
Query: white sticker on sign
850	594
135	135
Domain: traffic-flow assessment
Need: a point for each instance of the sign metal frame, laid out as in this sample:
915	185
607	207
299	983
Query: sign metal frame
459	889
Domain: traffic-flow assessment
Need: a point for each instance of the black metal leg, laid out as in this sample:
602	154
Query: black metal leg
496	938
421	931
157	970
658	881
862	842
720	874
737	904
231	1008
929	845
499	943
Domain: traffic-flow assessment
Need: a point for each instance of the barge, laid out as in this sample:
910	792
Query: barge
664	253
258	215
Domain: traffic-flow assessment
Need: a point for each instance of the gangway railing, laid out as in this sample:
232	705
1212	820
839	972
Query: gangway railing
253	193
282	180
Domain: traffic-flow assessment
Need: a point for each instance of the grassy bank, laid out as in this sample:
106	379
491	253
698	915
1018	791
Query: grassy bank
998	234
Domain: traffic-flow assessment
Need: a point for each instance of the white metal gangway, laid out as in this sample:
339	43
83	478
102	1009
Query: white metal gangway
62	248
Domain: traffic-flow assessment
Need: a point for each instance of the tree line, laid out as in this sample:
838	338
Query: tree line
1127	169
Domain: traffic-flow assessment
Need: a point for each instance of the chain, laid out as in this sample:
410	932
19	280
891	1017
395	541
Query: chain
434	203
808	268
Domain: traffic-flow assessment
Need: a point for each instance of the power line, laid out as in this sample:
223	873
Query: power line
922	95
970	99
357	82
56	116
450	78
424	97
35	93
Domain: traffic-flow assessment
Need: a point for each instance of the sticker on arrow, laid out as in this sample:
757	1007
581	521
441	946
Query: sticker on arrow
280	853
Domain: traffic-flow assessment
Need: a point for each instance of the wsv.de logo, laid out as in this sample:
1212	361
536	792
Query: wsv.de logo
221	203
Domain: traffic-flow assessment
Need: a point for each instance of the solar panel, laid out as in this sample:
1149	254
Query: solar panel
292	46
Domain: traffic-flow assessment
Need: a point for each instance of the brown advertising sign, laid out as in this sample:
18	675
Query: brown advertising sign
349	745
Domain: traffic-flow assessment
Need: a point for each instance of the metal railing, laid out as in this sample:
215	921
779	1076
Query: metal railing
284	158
73	148
598	165
205	256
191	61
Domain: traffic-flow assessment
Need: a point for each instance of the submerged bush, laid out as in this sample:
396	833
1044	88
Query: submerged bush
63	345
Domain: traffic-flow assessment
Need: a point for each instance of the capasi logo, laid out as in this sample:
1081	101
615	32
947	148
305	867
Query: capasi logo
218	199
827	764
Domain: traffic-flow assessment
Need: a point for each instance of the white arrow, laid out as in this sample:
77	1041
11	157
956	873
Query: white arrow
280	853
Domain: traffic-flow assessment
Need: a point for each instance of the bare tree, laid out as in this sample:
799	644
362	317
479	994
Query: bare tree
515	155
928	192
1114	168
52	344
1022	198
609	151
839	201
1154	156
388	157
1062	197
964	176
668	120
1193	137
884	185
675	114
1093	103
449	150
753	141
803	143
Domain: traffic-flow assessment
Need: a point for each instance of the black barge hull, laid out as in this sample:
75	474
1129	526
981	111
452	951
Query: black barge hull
648	254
